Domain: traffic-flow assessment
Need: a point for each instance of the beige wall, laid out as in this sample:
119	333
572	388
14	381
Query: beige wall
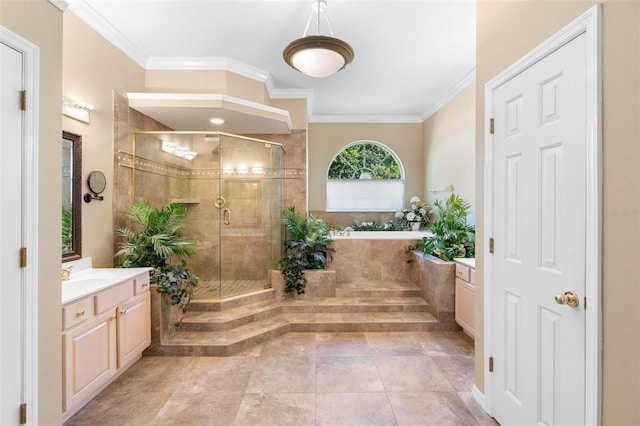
327	139
297	110
449	148
41	23
92	69
192	81
505	32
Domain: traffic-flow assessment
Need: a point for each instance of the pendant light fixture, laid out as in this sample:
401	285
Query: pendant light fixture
318	55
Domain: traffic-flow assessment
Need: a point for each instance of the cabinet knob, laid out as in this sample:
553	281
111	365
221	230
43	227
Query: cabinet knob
80	313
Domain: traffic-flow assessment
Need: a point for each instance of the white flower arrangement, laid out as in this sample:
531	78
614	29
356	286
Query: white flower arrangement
417	212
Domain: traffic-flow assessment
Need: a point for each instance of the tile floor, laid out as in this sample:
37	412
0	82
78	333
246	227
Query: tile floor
302	379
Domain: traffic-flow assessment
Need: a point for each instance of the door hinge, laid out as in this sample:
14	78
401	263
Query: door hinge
585	303
23	100
23	414
491	364
23	257
491	125
490	245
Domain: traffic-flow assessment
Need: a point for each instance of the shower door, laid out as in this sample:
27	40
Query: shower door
249	205
231	187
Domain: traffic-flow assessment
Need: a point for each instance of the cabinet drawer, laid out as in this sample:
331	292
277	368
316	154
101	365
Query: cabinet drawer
114	295
462	272
141	283
472	276
77	312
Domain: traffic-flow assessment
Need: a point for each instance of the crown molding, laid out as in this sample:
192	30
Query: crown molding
62	5
213	63
291	93
89	15
365	119
462	84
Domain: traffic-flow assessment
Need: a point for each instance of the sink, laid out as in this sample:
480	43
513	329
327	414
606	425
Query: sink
84	279
93	279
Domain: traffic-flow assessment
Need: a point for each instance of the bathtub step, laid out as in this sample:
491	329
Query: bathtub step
225	343
226	320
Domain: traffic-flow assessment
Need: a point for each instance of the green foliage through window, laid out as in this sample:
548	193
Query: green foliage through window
364	160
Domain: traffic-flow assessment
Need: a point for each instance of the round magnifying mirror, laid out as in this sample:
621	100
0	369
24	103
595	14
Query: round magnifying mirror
97	182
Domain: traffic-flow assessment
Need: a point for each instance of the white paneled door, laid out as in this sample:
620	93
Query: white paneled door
11	289
538	263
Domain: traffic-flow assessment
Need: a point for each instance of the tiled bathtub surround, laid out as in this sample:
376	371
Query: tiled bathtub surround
302	379
371	259
436	280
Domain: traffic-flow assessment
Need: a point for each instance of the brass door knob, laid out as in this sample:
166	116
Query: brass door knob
568	298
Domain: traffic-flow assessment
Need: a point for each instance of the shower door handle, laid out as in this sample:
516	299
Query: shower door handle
226	216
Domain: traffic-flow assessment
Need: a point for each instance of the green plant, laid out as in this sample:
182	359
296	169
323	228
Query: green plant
373	226
67	229
452	237
156	237
308	246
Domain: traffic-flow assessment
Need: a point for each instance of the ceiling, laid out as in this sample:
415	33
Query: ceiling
411	56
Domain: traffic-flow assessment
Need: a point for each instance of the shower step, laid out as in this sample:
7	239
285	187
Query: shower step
220	321
372	288
224	343
217	305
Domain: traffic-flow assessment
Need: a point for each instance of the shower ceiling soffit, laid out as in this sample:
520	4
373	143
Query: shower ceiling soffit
192	112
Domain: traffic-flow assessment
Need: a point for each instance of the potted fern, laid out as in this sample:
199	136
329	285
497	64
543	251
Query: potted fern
308	246
452	236
156	240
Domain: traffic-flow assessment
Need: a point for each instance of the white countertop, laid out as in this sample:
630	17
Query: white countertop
466	261
85	280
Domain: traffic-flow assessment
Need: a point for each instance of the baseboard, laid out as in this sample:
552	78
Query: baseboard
479	397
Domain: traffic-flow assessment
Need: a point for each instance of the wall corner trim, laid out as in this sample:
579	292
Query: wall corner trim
62	5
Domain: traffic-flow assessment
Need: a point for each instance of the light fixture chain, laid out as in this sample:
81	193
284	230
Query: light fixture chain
306	29
318	19
326	16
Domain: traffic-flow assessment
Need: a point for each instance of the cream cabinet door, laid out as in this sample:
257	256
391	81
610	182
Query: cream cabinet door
134	328
90	358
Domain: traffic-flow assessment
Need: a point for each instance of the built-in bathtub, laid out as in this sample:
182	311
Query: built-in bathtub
373	255
381	235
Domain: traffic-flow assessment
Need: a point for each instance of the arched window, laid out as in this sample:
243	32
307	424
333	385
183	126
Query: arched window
365	176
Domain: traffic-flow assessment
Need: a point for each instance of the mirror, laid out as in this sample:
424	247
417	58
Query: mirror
97	183
71	196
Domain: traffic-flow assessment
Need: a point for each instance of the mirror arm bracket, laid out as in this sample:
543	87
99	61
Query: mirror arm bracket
88	197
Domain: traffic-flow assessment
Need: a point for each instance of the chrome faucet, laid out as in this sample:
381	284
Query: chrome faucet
65	273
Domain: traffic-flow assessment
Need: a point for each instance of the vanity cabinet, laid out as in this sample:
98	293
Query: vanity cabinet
465	290
103	334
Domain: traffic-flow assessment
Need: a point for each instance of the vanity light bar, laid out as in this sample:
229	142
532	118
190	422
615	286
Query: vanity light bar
178	151
242	170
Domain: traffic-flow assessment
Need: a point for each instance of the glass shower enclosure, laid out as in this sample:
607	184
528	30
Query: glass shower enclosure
232	188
